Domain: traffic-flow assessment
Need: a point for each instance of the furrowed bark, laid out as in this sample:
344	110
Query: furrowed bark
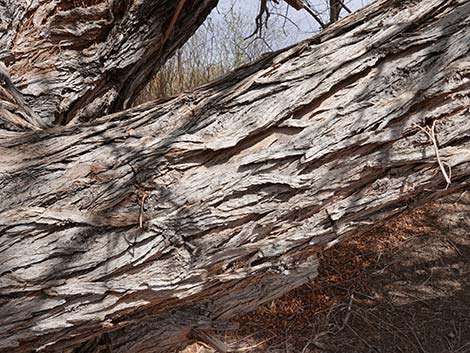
78	60
148	228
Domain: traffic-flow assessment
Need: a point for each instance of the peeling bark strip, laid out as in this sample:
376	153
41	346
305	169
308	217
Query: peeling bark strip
81	59
245	179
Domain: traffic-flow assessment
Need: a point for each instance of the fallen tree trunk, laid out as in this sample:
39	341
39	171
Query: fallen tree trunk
148	228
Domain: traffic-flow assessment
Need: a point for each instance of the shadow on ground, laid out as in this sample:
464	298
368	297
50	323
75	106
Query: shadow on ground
404	287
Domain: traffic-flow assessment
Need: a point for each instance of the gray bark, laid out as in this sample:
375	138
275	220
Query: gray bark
151	227
78	60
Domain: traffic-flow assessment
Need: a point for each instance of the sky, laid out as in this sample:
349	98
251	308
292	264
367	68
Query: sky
223	42
305	26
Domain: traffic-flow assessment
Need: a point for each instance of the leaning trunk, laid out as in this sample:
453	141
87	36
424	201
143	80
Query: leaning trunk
149	228
78	60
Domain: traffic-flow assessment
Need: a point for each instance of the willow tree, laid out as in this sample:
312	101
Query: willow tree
142	229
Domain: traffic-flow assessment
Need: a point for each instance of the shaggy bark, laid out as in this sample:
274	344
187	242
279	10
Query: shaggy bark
148	228
78	60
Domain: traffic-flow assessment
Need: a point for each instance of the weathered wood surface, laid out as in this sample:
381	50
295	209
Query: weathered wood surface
78	60
144	229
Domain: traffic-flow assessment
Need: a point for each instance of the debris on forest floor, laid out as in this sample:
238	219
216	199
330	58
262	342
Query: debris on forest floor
403	287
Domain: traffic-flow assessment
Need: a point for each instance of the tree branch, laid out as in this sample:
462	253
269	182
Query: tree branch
77	63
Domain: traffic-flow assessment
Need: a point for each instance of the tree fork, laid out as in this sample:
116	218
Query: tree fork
79	60
246	179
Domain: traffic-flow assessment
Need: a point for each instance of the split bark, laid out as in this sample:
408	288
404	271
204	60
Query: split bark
78	60
237	184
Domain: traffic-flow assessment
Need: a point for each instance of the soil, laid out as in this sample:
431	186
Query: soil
403	287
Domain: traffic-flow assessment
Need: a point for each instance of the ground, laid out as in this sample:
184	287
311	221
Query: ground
404	287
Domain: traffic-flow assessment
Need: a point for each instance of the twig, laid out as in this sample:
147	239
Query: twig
427	279
141	213
263	10
416	338
454	246
316	340
460	197
172	24
348	314
371	348
343	5
220	346
315	16
431	133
